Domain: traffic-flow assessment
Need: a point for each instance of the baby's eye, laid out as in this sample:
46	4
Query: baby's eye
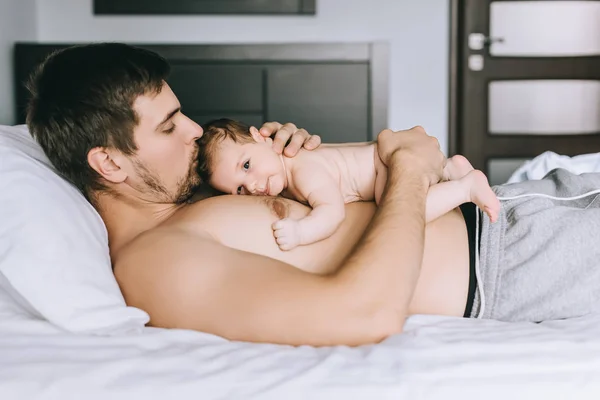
239	190
247	165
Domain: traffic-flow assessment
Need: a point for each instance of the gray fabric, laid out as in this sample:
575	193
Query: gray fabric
541	259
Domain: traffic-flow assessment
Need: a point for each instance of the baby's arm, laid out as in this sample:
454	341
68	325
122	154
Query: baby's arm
323	194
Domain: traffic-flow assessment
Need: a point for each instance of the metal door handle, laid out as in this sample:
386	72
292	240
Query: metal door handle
477	41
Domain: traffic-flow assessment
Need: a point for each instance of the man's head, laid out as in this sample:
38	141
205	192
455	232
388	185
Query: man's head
236	159
108	121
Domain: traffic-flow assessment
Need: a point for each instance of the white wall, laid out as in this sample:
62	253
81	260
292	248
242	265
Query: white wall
17	23
417	31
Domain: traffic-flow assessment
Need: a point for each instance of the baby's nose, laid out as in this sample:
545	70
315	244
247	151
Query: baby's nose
251	187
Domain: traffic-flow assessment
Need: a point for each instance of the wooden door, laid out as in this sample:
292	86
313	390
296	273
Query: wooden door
525	78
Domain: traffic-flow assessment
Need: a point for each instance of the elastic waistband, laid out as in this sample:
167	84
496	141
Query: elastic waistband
469	211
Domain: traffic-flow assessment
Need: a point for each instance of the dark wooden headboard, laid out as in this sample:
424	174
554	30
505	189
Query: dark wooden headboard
339	91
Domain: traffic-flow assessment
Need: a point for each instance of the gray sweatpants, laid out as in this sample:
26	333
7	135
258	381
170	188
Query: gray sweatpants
541	259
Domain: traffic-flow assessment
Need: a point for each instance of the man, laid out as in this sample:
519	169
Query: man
109	122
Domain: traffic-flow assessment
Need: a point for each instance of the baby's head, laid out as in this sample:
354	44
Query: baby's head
236	159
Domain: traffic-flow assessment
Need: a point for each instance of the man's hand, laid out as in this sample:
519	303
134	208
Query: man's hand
414	147
299	138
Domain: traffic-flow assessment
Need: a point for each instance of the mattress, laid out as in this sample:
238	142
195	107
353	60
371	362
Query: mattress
435	358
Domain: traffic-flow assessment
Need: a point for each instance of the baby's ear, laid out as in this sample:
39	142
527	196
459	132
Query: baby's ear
258	138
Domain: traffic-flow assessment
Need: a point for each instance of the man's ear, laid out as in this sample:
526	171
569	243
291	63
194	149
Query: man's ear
101	161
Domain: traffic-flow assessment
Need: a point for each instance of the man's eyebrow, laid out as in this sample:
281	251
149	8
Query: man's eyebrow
168	117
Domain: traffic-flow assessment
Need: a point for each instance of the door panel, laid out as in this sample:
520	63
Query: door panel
545	28
525	78
544	107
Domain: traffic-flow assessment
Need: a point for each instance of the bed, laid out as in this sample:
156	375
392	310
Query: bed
66	333
437	358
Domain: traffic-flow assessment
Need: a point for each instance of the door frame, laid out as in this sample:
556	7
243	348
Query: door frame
455	78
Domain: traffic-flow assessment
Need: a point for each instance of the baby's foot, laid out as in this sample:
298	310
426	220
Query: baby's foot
482	194
456	168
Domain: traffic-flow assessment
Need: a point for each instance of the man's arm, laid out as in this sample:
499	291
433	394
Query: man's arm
206	286
203	285
388	259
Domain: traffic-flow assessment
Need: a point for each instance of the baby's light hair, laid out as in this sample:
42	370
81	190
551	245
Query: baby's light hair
215	132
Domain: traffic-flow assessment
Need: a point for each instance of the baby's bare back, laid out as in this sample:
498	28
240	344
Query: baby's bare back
352	165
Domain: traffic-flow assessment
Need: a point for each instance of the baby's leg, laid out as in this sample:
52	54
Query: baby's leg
457	167
473	187
465	185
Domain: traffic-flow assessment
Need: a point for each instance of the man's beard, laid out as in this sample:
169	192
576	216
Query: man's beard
186	187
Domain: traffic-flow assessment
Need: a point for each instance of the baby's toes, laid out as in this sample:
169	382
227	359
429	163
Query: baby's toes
492	212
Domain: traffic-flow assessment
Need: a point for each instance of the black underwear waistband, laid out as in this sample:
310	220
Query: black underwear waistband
469	212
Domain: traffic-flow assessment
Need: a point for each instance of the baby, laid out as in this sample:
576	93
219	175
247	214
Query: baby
236	159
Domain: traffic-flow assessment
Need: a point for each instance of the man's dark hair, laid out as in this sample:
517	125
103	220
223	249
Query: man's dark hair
215	132
82	97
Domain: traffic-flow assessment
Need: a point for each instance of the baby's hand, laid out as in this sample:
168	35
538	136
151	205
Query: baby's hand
287	233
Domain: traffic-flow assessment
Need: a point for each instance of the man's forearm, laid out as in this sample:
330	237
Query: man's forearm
384	268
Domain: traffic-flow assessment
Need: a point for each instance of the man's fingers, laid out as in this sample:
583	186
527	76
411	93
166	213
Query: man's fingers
283	135
312	142
298	139
383	134
269	128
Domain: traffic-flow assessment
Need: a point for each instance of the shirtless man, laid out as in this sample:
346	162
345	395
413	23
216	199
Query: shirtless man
235	158
111	125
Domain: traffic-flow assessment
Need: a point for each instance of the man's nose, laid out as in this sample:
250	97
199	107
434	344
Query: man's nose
195	131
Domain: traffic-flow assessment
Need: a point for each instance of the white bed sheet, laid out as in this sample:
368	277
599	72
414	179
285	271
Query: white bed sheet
539	166
436	358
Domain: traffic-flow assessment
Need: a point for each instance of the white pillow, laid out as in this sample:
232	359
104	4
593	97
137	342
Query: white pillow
54	245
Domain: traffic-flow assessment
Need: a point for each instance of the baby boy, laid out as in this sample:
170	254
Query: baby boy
235	159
